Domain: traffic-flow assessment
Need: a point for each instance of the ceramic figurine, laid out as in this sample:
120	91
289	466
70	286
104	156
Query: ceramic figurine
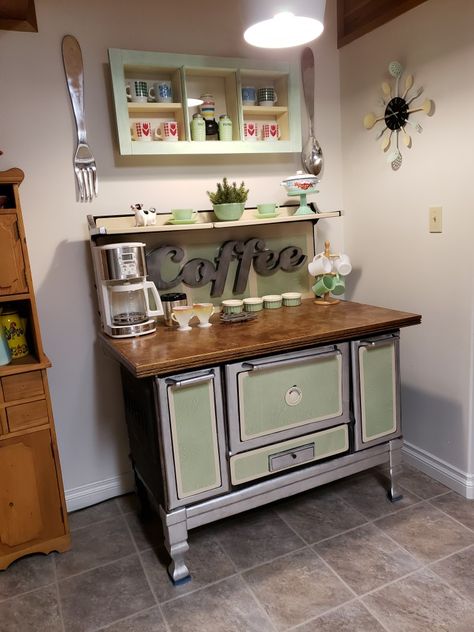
144	217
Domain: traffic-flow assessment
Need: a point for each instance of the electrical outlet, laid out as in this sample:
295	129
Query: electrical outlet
436	219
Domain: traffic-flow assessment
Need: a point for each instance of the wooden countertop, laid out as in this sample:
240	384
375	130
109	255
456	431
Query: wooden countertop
284	329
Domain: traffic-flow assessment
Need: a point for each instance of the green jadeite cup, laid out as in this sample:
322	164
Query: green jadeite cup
182	213
272	301
291	299
253	304
232	306
339	286
267	209
324	284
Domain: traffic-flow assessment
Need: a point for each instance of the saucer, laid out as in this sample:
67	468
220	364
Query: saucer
178	222
266	215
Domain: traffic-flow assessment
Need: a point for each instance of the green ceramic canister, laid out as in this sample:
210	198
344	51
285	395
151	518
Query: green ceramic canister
225	127
198	128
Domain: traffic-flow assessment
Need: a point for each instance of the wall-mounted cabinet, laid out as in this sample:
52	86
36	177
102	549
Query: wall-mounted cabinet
191	76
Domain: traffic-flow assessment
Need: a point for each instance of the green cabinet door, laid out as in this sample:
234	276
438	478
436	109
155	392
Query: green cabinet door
193	436
377	390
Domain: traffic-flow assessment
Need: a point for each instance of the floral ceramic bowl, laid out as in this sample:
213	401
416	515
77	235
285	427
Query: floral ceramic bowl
300	183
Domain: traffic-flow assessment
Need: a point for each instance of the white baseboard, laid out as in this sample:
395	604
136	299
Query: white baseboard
93	493
454	478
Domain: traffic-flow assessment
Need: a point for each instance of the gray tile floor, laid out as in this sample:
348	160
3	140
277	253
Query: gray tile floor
339	558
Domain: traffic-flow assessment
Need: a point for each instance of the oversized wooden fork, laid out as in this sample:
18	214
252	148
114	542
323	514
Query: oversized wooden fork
84	163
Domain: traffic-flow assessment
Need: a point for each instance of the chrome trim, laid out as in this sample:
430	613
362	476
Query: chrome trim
188	381
131	330
261	366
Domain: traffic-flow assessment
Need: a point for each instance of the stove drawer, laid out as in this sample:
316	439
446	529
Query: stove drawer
280	397
287	454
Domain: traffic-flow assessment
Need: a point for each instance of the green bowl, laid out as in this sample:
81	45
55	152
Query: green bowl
228	212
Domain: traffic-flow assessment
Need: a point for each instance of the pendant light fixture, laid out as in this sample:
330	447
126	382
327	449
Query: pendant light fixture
282	23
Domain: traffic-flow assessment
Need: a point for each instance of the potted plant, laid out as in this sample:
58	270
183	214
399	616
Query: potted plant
228	200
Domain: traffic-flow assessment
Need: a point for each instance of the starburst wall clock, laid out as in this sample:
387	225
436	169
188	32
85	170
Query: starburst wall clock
397	110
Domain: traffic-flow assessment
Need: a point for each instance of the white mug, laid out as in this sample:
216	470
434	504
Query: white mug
203	311
270	131
182	314
162	92
320	265
141	130
137	91
250	131
342	265
168	131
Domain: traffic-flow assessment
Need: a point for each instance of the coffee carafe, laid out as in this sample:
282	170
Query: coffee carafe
129	304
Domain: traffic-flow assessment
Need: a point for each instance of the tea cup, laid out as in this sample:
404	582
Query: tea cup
339	285
203	311
182	316
183	214
269	208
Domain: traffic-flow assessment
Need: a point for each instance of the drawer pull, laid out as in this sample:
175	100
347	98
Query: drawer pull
289	458
260	366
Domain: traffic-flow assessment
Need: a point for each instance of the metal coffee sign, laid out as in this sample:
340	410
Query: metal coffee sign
197	272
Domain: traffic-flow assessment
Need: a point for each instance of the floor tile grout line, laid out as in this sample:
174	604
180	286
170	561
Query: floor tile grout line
26	592
104	628
421	563
374	614
94	568
60	607
258	603
129	529
330	611
452	517
215	538
97	522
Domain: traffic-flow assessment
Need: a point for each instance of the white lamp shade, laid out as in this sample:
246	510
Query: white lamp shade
282	23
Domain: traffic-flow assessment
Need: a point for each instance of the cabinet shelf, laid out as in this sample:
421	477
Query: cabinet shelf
193	75
23	365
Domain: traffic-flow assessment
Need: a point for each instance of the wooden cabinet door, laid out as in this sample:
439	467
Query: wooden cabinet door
30	504
12	266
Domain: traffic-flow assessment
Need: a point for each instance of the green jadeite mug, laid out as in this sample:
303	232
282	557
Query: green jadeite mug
339	286
324	284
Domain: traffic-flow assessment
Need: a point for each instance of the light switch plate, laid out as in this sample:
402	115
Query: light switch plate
436	219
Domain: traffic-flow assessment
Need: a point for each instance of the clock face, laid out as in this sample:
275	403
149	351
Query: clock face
396	113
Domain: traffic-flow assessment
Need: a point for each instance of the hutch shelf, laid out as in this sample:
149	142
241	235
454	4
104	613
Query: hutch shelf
33	515
190	77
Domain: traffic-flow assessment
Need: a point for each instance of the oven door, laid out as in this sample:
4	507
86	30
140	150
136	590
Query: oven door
376	385
284	396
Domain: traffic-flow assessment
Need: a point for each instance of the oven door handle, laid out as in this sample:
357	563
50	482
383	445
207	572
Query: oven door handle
380	340
260	366
170	381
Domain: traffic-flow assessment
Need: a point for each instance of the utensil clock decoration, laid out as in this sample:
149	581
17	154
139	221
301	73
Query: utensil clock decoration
395	116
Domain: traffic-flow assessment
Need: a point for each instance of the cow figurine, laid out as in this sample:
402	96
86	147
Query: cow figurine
144	217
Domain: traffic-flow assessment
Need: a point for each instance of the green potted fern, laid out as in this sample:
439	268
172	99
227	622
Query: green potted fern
228	201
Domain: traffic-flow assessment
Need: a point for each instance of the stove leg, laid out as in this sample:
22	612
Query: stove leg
176	543
395	456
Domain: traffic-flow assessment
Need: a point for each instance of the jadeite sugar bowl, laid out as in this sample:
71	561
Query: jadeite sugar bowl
300	183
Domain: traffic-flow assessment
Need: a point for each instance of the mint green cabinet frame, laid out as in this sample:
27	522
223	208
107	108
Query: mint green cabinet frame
233	72
376	384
